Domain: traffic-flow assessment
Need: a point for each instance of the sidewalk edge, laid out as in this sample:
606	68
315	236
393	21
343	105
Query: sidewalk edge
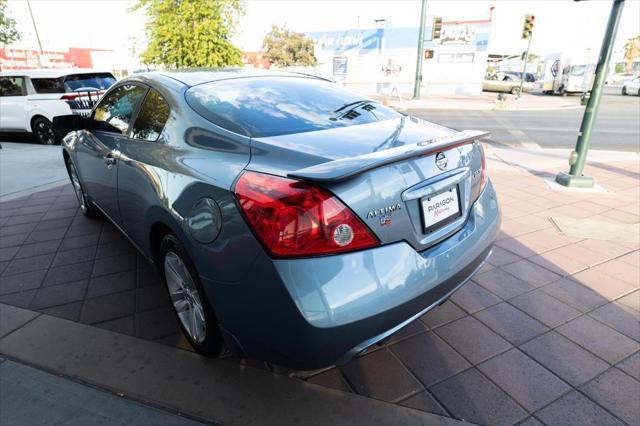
172	379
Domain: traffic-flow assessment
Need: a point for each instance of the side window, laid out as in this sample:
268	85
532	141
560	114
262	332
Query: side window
48	85
114	112
152	117
12	86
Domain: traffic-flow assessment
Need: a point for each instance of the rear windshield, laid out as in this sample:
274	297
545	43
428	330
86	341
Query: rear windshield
273	106
73	82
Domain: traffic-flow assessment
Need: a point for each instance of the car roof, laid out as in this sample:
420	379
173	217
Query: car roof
51	72
195	77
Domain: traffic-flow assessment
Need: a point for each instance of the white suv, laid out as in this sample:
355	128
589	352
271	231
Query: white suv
29	99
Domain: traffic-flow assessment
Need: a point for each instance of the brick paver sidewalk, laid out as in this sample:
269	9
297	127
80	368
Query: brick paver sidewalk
548	331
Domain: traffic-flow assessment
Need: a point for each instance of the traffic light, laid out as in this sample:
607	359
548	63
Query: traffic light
436	30
527	28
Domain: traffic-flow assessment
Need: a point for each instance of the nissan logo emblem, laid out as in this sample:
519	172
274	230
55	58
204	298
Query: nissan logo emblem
441	161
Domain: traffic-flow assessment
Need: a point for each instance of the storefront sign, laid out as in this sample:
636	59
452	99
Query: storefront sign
457	34
17	59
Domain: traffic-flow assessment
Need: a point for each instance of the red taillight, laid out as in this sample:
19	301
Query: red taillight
292	218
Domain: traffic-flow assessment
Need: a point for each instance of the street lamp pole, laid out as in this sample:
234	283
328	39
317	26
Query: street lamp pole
578	157
418	80
35	28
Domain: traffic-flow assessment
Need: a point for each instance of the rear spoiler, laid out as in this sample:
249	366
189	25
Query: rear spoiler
345	168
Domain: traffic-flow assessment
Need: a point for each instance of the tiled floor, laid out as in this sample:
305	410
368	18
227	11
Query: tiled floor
548	331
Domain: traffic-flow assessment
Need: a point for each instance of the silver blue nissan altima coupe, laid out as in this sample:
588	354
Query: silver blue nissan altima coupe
291	220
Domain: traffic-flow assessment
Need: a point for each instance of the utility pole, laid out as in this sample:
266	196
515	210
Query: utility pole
578	157
524	67
418	80
35	28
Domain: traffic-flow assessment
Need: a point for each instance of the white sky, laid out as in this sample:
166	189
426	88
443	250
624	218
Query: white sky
560	25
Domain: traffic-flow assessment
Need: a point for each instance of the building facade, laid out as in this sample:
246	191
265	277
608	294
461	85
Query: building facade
74	57
382	61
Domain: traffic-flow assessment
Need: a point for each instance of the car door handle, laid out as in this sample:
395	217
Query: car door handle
111	158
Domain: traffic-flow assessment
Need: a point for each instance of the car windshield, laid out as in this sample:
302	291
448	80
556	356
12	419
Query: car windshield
273	106
578	70
96	81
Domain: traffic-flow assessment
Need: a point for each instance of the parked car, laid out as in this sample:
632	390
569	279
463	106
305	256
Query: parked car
631	87
291	220
506	83
528	77
29	99
619	78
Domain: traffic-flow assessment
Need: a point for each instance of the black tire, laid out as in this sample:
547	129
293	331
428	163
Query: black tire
84	201
624	91
213	344
44	132
515	90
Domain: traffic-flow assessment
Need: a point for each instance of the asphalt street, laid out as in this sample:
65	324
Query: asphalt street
617	125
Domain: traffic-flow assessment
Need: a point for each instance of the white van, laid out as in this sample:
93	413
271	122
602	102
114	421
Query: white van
29	99
564	75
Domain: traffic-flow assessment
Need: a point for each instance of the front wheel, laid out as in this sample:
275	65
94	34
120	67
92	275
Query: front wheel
515	90
624	91
196	318
44	132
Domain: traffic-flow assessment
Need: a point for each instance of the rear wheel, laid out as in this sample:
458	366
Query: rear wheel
83	200
44	132
196	318
624	91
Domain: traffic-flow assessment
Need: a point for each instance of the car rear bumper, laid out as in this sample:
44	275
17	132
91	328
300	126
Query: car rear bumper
336	306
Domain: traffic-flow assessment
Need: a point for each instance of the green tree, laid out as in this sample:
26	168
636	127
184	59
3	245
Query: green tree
191	33
286	48
632	52
8	32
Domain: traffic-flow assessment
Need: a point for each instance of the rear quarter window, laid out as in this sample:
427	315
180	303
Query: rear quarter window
152	117
273	106
48	85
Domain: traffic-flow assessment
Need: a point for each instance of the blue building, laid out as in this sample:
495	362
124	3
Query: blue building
381	61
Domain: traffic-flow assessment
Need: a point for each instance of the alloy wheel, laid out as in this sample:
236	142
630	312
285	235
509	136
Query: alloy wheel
185	297
45	133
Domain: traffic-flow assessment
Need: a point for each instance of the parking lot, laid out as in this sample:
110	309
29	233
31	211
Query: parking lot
547	331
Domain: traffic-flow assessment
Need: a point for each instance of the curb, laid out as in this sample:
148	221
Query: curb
211	390
487	108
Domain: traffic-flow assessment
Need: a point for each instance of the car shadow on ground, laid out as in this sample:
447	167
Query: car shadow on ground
19	138
547	328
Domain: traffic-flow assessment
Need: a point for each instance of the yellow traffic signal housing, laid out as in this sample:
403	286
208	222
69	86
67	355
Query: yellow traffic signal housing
436	30
527	28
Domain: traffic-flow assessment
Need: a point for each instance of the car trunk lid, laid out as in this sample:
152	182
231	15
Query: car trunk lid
406	179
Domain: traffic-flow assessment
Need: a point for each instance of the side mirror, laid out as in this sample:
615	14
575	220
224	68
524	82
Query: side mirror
69	123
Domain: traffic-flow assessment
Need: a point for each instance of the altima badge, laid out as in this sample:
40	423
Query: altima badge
384	214
441	161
